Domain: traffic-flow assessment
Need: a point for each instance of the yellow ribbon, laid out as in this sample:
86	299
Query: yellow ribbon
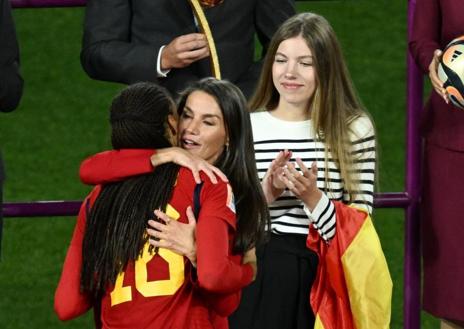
204	27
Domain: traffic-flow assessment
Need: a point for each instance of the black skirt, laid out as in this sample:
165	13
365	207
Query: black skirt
279	297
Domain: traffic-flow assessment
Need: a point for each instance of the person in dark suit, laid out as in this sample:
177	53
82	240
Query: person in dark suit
11	83
158	40
436	23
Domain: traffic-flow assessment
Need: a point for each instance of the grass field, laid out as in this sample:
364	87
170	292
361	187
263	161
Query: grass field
63	118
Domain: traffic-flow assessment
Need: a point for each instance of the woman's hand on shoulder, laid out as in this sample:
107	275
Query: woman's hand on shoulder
185	159
433	74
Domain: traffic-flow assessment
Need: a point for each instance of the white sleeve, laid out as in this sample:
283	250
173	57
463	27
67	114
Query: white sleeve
160	73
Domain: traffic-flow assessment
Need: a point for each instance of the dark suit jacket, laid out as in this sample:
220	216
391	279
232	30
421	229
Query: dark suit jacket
436	23
122	38
11	83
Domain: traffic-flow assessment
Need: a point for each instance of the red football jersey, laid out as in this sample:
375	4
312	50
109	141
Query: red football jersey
157	291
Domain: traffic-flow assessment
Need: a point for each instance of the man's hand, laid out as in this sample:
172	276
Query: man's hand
184	50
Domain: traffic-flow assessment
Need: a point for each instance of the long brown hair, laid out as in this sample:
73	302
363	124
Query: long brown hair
334	105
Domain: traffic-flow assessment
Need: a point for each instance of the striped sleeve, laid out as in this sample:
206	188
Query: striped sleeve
323	217
363	149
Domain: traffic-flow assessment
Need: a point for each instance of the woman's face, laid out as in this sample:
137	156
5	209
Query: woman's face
293	73
201	127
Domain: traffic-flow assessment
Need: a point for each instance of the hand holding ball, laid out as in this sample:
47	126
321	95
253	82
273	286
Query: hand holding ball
451	71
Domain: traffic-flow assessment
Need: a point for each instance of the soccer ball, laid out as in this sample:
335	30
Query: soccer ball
451	71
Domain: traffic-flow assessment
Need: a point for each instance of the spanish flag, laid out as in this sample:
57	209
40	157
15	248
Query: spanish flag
353	287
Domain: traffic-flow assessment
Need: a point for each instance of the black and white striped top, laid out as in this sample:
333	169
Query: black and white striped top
289	214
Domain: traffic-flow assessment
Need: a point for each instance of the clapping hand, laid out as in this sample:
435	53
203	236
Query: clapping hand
272	184
302	183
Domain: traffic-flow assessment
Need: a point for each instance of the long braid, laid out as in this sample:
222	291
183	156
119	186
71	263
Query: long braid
115	230
116	225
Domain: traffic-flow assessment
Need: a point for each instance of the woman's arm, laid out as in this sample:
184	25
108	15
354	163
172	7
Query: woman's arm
283	174
225	304
425	41
363	149
115	165
218	270
425	37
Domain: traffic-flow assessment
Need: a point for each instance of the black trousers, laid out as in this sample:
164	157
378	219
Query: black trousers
279	297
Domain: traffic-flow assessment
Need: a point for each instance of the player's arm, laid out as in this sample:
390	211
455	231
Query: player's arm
69	301
116	165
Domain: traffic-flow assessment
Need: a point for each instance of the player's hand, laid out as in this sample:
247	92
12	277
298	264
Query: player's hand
184	50
249	257
175	236
433	74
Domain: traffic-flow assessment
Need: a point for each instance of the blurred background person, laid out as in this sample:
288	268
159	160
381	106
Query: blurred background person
436	23
11	82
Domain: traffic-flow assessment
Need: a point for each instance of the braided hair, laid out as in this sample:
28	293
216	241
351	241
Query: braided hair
115	229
